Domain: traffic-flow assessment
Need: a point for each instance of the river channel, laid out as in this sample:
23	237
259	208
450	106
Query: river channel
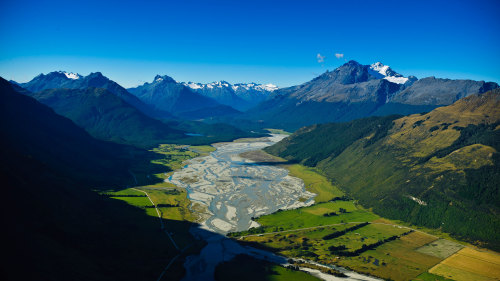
232	190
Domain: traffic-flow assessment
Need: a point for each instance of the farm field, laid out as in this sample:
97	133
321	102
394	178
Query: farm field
426	276
441	248
300	233
315	216
397	260
470	264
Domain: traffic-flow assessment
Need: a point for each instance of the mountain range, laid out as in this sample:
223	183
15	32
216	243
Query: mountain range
349	92
164	93
355	91
68	80
106	116
57	226
44	134
109	112
241	96
440	169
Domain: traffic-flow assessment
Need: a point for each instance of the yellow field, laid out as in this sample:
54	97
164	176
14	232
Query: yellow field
440	248
398	259
469	264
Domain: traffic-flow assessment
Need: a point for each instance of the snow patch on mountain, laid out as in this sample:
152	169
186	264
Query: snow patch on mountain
235	87
193	86
72	75
382	71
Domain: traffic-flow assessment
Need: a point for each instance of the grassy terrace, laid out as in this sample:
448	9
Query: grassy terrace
313	216
315	183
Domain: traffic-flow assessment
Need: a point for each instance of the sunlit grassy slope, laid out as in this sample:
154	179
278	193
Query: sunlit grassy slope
439	169
315	183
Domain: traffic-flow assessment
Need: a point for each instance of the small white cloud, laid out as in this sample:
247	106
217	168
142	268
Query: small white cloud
320	58
339	56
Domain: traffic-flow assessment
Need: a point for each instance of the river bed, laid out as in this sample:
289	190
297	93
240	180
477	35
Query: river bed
233	190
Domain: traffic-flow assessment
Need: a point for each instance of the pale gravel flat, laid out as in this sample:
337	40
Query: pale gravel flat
233	190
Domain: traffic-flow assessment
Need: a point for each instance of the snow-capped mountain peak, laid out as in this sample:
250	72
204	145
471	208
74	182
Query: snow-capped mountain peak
269	87
382	71
255	86
71	75
193	85
158	78
235	87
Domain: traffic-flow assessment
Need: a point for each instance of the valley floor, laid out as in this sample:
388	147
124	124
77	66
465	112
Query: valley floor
335	232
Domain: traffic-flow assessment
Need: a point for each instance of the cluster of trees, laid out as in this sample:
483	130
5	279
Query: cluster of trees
341	198
342	232
172	192
253	230
342	251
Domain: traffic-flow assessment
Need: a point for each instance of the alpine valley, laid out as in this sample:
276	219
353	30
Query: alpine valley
361	173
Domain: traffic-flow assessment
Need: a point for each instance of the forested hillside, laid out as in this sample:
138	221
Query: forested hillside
440	169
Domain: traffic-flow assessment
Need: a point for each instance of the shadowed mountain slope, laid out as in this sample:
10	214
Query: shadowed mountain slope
64	80
57	228
107	117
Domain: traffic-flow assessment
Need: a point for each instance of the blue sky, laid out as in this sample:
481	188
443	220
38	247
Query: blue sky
247	41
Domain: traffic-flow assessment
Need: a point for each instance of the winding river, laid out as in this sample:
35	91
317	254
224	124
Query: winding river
232	190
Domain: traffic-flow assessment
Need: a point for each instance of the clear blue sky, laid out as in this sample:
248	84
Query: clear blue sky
243	41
